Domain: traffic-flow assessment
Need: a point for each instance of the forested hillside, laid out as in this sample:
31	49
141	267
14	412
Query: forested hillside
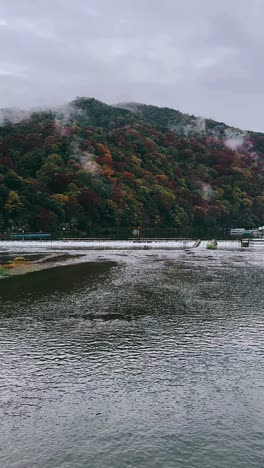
90	168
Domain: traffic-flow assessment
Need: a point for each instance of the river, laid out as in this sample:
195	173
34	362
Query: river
134	359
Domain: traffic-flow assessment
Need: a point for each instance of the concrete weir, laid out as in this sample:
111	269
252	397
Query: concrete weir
20	247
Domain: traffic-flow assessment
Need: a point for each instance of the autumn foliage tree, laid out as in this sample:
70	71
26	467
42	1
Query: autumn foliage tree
108	167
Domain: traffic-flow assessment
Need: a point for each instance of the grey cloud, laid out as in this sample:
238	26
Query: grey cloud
198	56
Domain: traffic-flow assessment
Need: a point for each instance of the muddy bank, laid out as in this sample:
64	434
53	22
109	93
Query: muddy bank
23	265
60	279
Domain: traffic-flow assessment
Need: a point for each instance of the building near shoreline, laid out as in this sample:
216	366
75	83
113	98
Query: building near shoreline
259	232
241	232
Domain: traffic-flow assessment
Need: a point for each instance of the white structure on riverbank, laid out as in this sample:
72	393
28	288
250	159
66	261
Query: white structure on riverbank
259	232
241	232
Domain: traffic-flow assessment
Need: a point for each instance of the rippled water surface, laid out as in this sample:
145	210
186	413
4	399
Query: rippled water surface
134	359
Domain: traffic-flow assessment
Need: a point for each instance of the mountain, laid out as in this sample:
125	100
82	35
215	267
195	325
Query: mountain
92	168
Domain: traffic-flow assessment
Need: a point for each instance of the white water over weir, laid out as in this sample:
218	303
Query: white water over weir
111	245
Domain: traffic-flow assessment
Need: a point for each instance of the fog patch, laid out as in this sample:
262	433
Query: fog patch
234	139
195	127
63	115
14	115
207	192
89	164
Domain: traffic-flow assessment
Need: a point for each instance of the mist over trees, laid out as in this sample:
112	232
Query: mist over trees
89	167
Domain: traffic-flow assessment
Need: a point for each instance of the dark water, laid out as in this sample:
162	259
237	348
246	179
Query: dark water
142	360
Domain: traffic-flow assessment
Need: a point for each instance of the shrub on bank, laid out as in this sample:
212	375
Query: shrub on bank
3	272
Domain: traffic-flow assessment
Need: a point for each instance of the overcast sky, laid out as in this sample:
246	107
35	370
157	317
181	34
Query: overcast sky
204	57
